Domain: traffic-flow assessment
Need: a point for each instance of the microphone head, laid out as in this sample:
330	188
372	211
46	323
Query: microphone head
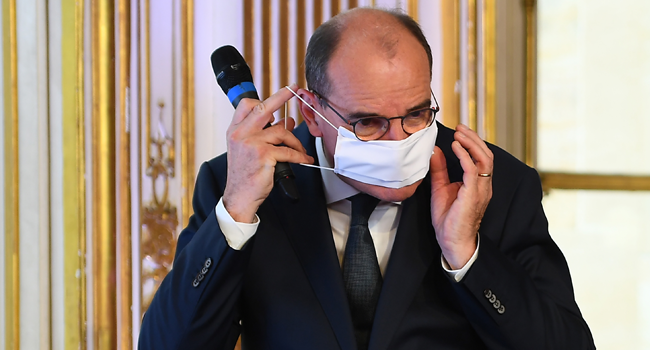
230	68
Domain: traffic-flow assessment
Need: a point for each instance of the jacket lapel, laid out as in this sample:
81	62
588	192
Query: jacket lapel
307	226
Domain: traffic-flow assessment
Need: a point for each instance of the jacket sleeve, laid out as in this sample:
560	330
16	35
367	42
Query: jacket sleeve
518	294
196	305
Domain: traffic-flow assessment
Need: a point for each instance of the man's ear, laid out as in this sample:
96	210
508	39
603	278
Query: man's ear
311	118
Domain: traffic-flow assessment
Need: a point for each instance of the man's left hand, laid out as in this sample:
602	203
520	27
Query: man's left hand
457	208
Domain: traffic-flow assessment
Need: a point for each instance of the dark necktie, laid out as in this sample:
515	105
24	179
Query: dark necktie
361	273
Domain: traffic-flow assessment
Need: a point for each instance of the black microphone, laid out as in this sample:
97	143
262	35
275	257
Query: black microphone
235	79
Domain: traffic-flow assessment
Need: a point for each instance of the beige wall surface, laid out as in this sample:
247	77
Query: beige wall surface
593	83
594	79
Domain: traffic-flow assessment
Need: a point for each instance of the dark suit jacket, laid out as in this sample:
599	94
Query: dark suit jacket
284	289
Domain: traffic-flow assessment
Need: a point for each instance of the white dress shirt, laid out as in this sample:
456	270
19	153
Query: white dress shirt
383	221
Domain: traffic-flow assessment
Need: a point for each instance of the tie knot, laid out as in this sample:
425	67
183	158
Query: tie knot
362	206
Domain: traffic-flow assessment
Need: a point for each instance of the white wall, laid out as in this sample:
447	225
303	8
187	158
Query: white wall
33	173
56	174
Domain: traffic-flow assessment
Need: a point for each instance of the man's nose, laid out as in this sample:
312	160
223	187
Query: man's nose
395	131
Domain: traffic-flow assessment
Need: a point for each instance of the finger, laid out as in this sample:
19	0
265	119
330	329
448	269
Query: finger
478	162
438	168
477	150
470	172
243	109
290	155
277	135
472	135
260	113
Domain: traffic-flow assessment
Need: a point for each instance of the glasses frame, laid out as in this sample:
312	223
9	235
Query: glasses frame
435	110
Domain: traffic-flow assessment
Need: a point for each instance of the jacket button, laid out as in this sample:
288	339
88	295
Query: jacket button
501	310
487	293
497	304
200	277
208	262
493	298
204	270
195	283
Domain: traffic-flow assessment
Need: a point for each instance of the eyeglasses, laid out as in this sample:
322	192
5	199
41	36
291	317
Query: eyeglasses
374	127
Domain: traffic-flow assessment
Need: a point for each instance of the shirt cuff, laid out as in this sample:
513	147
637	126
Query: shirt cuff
236	233
458	275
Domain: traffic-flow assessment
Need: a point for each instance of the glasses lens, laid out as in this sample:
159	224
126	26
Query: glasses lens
370	128
418	120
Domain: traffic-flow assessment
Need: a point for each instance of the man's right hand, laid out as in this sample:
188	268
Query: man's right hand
252	153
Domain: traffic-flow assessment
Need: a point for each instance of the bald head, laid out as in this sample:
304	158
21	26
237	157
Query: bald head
376	30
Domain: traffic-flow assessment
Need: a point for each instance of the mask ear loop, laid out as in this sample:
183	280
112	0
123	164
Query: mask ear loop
312	108
320	115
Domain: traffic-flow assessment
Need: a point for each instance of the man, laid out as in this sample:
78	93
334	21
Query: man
459	259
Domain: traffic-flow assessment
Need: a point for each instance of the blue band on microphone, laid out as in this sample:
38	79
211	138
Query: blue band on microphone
237	90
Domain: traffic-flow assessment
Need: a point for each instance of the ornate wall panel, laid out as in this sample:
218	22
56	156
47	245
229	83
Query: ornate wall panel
166	112
160	204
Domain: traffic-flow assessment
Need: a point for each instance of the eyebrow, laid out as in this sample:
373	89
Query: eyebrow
359	115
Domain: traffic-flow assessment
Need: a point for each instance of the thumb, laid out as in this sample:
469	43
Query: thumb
438	169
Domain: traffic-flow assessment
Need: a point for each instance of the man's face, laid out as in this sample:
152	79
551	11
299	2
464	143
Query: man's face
366	80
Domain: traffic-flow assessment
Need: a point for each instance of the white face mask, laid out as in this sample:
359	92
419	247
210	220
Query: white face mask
392	164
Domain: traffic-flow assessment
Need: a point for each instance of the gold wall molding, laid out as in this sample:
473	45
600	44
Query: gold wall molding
557	180
188	131
317	14
531	83
103	174
146	82
450	23
284	50
11	176
488	31
413	9
124	308
301	45
267	53
249	32
471	60
74	167
335	7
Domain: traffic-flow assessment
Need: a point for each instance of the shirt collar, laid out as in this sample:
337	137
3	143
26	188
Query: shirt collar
335	188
